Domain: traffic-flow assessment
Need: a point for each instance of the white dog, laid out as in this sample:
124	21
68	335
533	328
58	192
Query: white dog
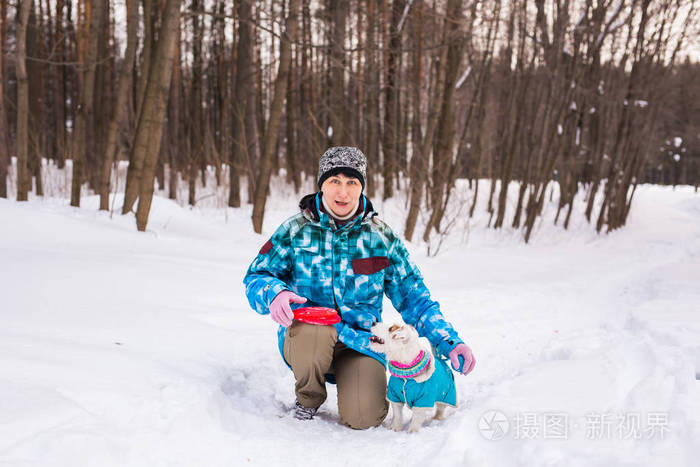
418	379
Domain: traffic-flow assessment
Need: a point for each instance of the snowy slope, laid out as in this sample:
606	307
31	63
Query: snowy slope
120	348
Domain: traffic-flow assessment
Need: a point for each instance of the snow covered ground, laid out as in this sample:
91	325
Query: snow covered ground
120	348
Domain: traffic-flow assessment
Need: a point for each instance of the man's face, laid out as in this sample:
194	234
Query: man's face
341	194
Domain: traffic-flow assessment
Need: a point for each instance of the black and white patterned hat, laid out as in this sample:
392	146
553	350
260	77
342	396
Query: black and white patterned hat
342	159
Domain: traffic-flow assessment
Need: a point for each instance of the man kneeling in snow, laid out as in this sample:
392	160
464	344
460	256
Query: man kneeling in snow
337	253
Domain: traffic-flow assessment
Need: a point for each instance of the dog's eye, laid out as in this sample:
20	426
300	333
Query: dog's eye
393	327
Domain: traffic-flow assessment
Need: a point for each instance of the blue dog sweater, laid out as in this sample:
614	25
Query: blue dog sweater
439	388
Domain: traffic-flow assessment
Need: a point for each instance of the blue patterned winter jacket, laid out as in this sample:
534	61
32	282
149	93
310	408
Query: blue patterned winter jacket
348	268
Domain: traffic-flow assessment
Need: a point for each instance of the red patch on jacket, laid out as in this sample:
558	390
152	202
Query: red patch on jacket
369	265
266	247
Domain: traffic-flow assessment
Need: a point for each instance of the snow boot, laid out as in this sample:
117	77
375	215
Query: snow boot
303	413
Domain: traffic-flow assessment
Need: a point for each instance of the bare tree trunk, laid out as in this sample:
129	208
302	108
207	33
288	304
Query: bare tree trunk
317	137
244	74
149	15
150	128
59	73
174	125
510	152
391	97
442	154
196	155
358	118
137	155
418	164
4	135
252	153
613	183
524	183
371	77
84	126
307	135
102	98
35	72
22	19
293	166
112	144
275	115
262	90
338	114
482	95
222	98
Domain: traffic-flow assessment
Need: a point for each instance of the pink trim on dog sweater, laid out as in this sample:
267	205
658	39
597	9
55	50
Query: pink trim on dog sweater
409	365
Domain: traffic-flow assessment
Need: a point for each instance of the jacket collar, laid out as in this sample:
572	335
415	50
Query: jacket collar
310	207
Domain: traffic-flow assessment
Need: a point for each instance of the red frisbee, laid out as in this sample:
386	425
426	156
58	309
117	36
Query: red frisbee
316	315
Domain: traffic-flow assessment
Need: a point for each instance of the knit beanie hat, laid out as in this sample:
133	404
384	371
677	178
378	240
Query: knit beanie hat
342	159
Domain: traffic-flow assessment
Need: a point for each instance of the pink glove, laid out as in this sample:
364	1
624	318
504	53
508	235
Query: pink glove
280	310
461	350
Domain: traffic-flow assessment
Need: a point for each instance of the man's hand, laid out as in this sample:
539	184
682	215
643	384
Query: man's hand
465	364
280	311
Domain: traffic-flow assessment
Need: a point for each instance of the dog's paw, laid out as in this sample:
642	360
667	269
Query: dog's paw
396	426
441	412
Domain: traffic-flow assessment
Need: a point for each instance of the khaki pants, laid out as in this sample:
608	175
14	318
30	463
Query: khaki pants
312	351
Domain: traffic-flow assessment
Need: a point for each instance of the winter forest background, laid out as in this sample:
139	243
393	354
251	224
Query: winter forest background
589	97
487	124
